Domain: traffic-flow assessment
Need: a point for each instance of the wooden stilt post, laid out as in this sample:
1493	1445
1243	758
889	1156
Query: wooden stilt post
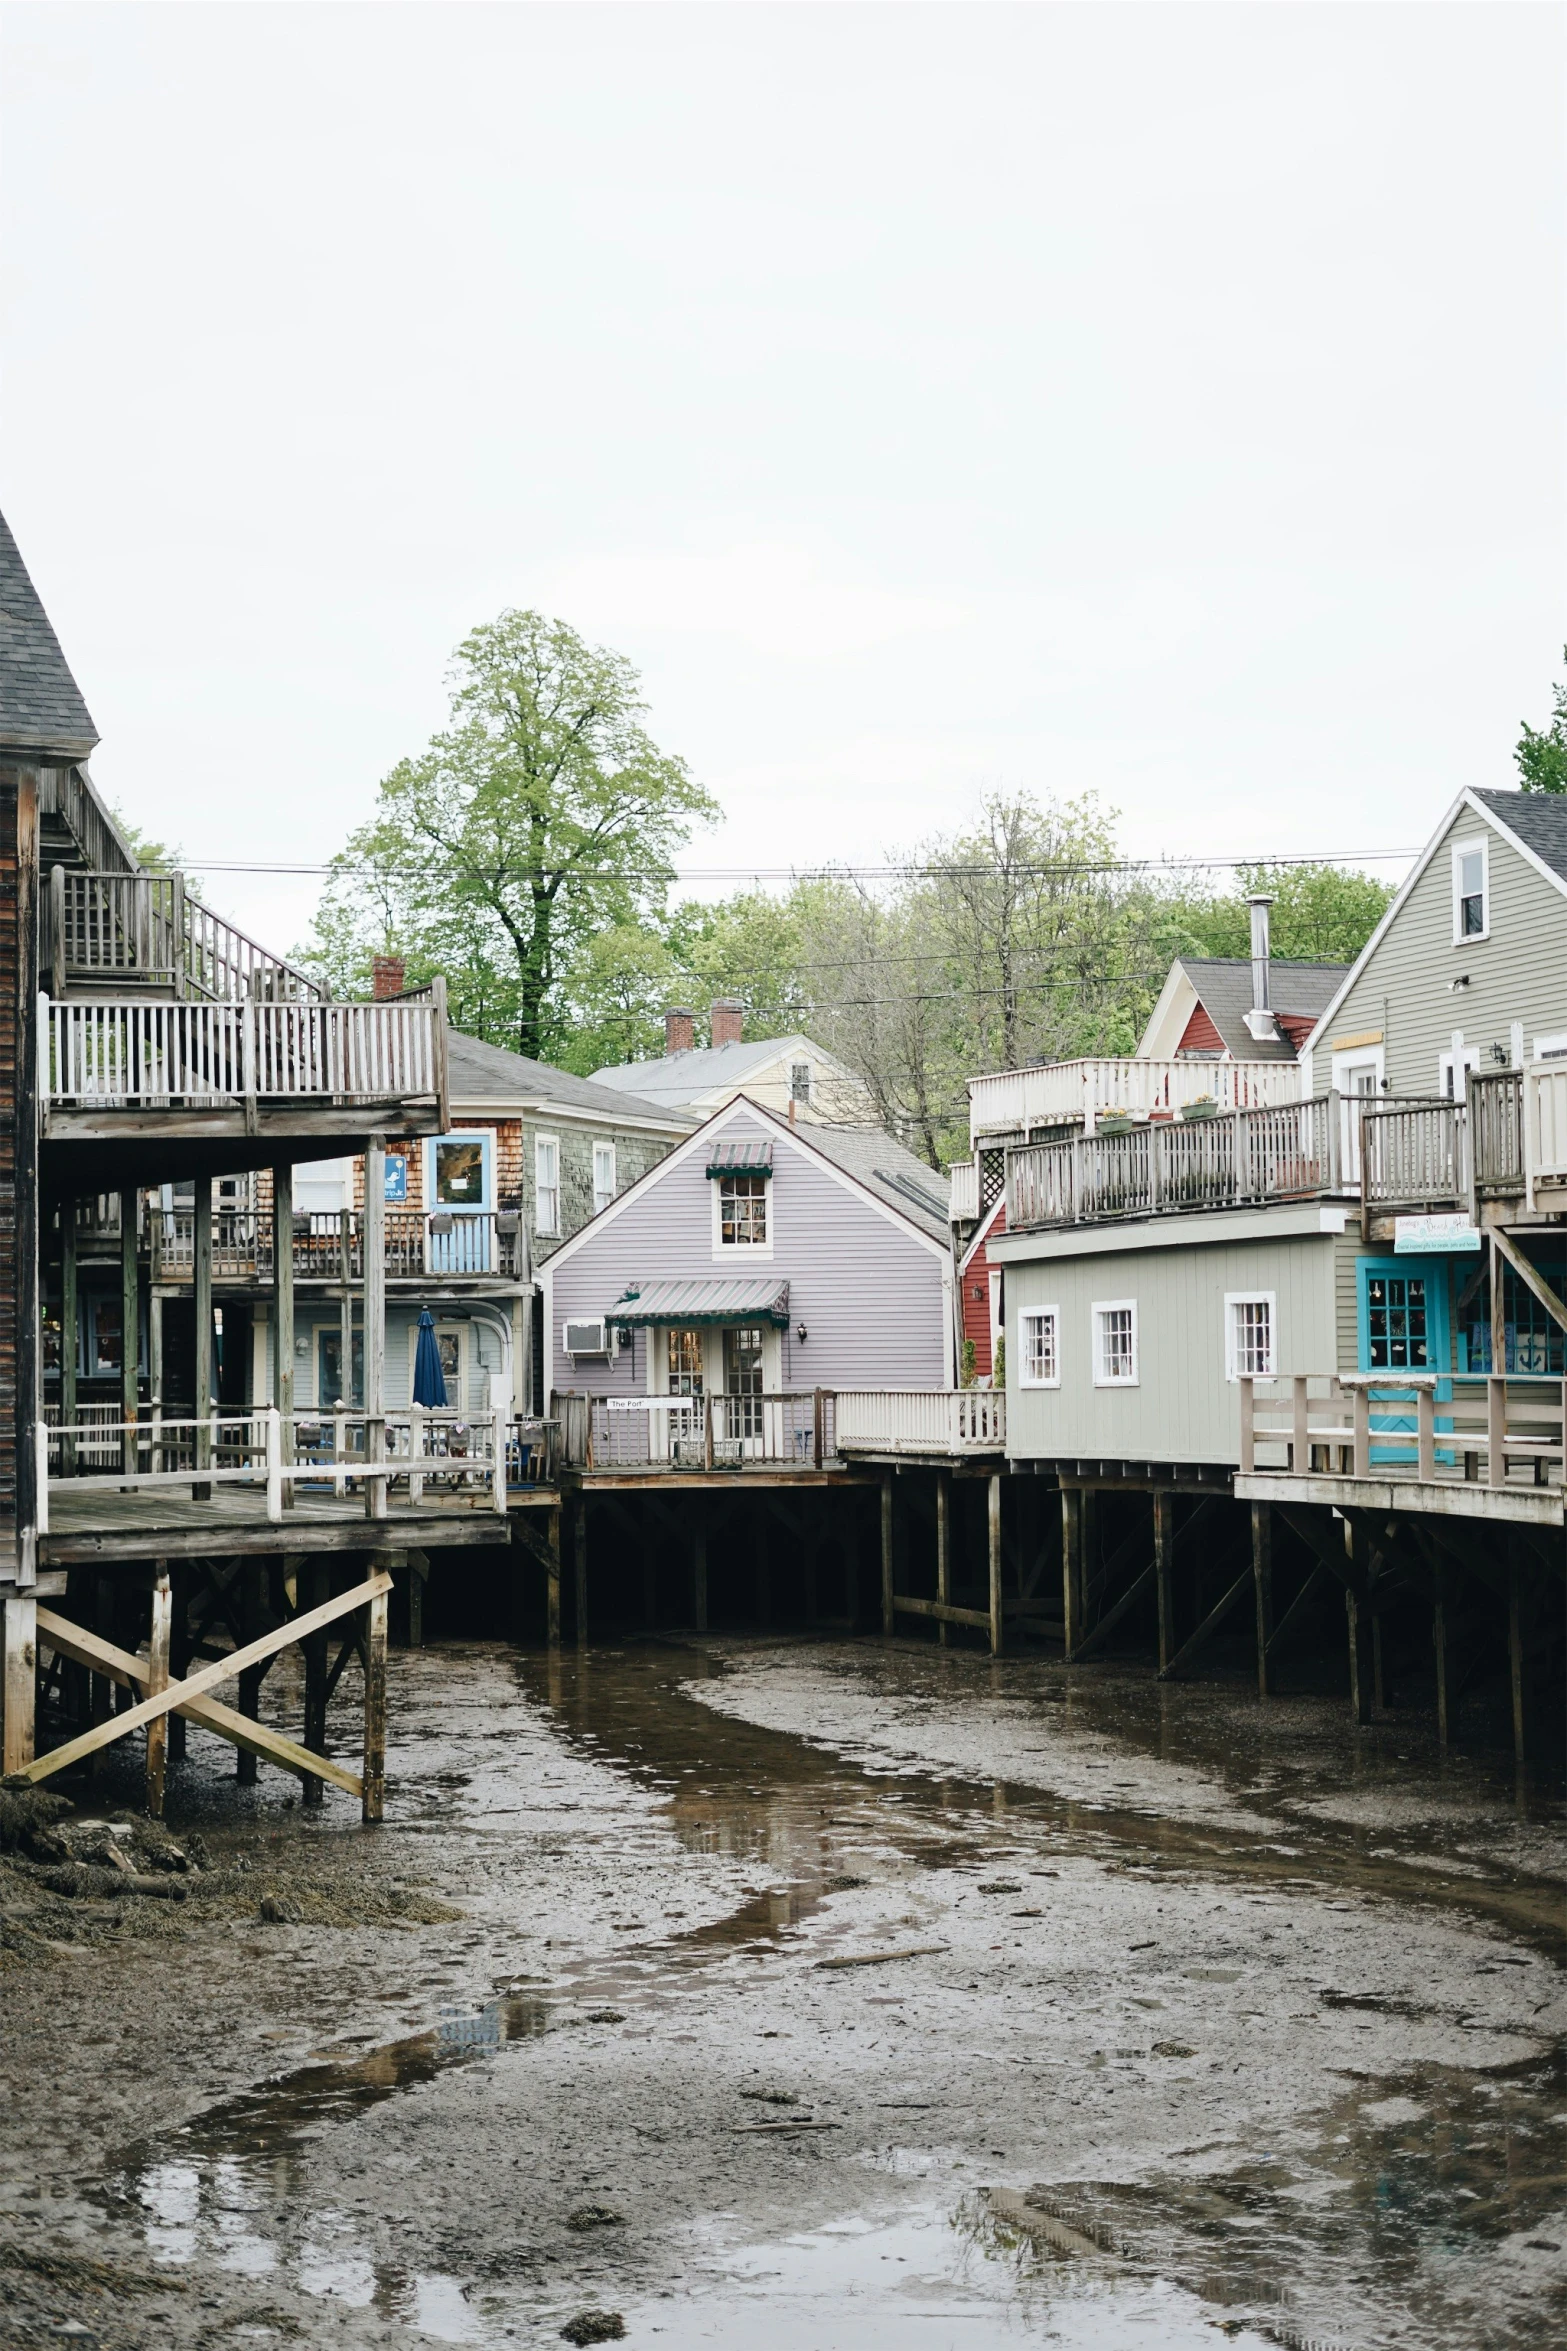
1071	1567
1515	1652
993	1522
944	1548
179	1652
155	1380
649	1582
158	1649
201	1290
1262	1572
251	1628
579	1563
21	1679
69	1339
418	1568
315	1589
283	1311
1378	1674
552	1579
1164	1570
130	1329
699	1572
1498	1319
1446	1711
810	1546
1357	1609
887	1588
764	1570
376	1500
373	1800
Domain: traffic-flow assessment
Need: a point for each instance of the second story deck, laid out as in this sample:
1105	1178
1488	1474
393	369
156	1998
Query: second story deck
420	1246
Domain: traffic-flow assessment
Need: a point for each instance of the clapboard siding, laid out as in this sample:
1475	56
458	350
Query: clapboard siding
1183	1408
870	1290
9	1129
1519	973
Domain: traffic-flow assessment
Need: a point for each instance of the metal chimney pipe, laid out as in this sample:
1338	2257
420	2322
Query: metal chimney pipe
1261	947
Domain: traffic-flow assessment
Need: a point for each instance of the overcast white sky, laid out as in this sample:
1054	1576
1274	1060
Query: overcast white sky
1158	401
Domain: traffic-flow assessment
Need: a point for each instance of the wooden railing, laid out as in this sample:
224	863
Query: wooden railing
1009	1101
704	1432
1412	1154
1544	1126
1293	1152
328	1245
67	793
154	1054
1366	1424
423	1450
941	1423
963	1196
143	929
1495	1115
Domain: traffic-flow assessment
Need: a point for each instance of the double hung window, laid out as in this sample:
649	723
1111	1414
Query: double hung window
1248	1336
1471	892
742	1212
1039	1347
603	1175
1115	1343
546	1184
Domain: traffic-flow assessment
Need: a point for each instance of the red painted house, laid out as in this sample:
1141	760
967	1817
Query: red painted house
979	1291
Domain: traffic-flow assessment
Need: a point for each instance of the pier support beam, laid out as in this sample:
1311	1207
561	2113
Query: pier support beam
201	1291
314	1589
1515	1663
1164	1571
1358	1615
1262	1576
375	1321
68	1334
579	1567
887	1585
372	1801
1446	1684
130	1329
993	1524
943	1548
158	1650
20	1679
1072	1566
251	1627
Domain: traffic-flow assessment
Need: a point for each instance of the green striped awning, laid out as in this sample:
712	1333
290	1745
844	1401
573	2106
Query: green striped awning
743	1155
742	1298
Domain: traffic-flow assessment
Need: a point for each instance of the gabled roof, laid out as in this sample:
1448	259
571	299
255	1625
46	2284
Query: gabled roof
1223	985
863	1160
489	1073
41	708
684	1077
1536	822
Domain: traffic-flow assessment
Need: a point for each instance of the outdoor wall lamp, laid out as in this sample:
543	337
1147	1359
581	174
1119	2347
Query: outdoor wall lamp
800	1334
1462	981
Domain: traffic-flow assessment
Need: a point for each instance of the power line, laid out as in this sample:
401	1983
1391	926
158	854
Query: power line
781	873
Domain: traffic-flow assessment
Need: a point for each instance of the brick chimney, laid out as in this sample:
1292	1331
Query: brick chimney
386	976
679	1031
727	1021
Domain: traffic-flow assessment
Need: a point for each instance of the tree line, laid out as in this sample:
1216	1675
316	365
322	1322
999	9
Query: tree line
528	854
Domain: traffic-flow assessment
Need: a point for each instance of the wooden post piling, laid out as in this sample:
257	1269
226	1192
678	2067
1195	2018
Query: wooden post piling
1164	1570
373	1800
283	1315
1262	1573
20	1679
158	1653
130	1331
887	1586
943	1550
993	1525
201	1290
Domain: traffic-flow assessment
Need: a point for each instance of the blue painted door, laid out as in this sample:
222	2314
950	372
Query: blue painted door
461	1201
1404	1327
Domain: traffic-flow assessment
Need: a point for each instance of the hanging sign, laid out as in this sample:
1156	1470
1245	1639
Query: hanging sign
396	1177
1433	1236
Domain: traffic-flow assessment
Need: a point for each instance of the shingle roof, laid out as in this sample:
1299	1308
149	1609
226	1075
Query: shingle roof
1224	985
488	1073
41	708
733	1298
1538	818
887	1170
683	1077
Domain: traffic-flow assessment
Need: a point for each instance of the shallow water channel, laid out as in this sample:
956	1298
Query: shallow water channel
969	2009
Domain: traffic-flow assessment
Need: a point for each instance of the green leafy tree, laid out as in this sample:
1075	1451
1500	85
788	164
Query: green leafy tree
1542	755
1321	913
543	817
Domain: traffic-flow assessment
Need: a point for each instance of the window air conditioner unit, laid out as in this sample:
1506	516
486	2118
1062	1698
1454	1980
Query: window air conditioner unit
598	1337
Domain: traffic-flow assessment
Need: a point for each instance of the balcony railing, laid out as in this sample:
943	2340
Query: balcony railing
143	930
802	1430
154	1054
963	1201
1374	1424
1060	1093
1412	1155
329	1246
941	1423
1292	1152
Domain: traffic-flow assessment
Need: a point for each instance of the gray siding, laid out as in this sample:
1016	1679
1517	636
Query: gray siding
869	1291
1518	973
1183	1407
634	1154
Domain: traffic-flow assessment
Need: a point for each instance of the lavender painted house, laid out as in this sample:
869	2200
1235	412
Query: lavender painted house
758	1258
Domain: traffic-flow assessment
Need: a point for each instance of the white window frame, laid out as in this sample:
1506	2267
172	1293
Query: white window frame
1100	1308
1479	846
797	1092
1235	1298
1051	1315
603	1153
750	1252
1552	1047
541	1145
1446	1071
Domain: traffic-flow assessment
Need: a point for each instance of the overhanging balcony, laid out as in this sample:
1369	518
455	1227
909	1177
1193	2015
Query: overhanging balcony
1008	1102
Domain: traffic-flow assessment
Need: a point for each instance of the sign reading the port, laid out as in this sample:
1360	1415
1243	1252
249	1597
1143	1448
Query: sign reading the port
1433	1236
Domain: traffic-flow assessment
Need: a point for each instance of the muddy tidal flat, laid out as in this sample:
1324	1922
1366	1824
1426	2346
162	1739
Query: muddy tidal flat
807	1998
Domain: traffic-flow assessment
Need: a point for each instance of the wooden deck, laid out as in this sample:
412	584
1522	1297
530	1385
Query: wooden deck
1443	1496
109	1527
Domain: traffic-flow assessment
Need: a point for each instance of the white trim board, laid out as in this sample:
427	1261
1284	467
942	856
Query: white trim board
1170	1232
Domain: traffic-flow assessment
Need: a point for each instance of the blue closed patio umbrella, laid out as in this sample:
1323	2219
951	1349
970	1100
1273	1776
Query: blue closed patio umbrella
429	1379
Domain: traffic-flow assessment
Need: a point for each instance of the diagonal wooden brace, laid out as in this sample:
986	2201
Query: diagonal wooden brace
195	1685
120	1665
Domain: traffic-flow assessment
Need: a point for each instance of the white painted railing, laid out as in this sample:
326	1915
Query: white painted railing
963	1205
155	1053
1009	1101
421	1448
1368	1424
941	1422
1544	1125
708	1432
